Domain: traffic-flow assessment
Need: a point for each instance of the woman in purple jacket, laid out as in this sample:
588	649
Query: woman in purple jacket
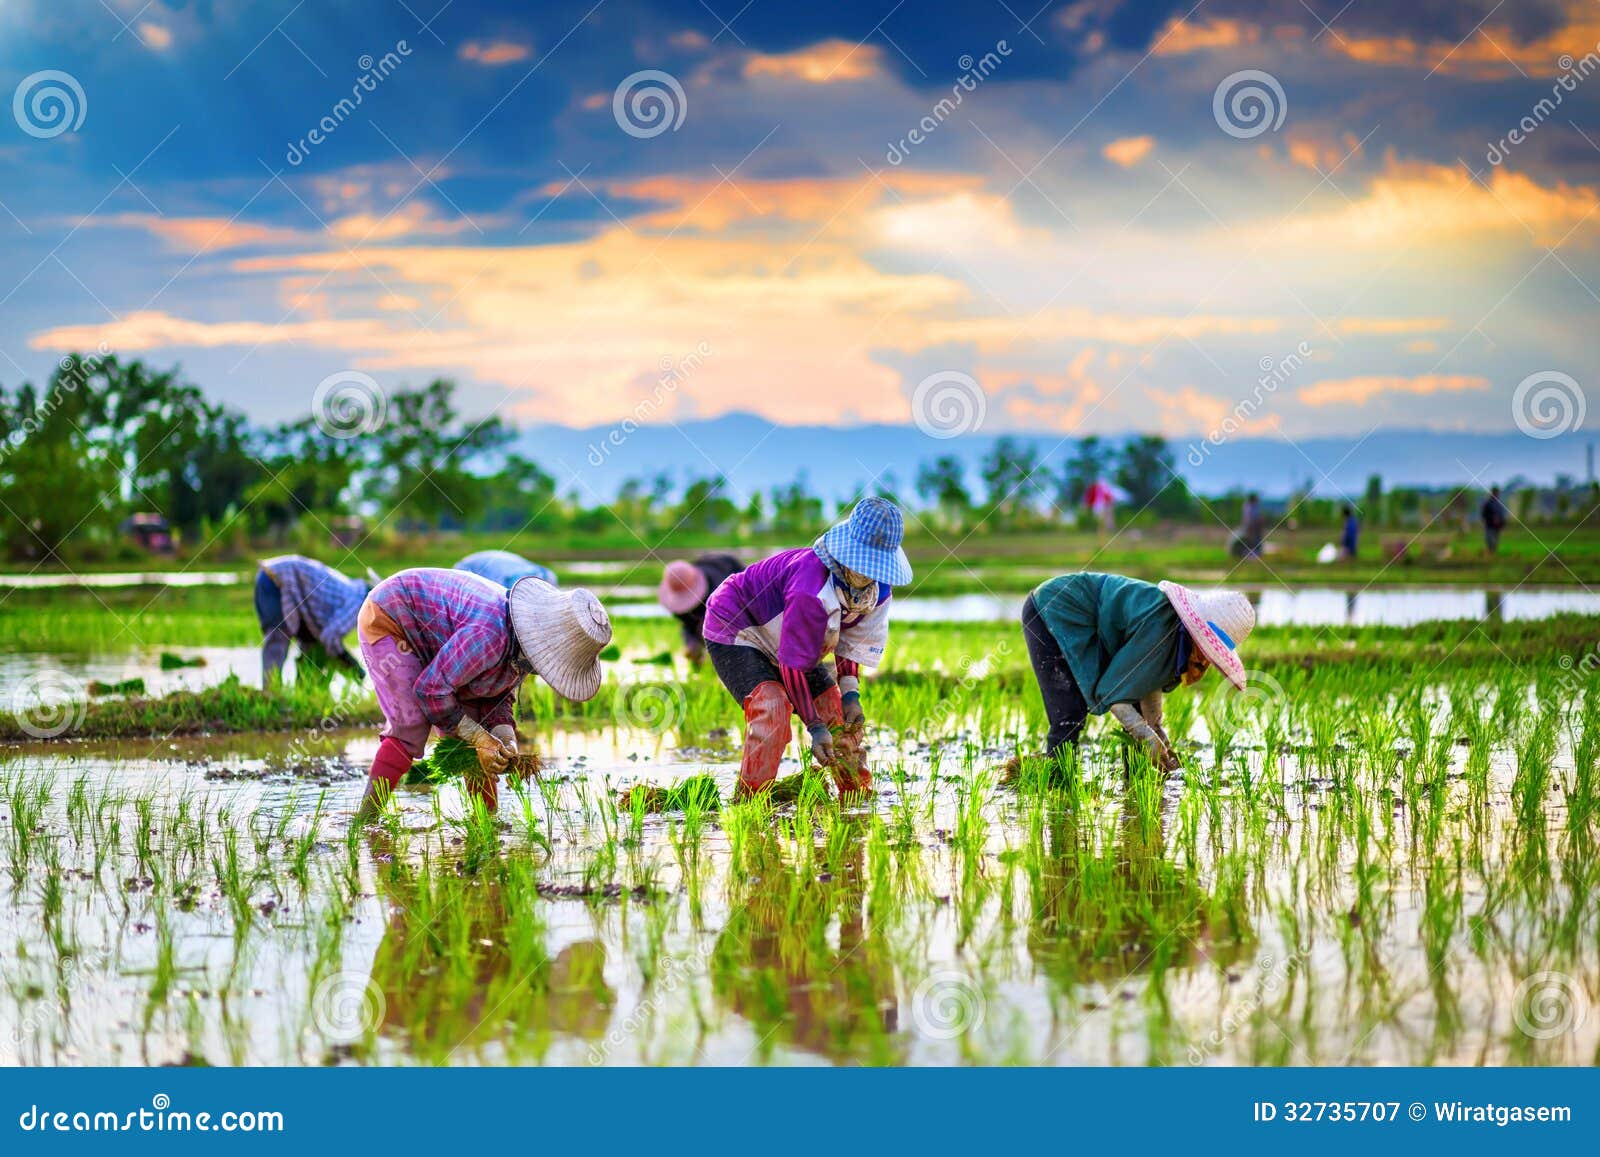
769	627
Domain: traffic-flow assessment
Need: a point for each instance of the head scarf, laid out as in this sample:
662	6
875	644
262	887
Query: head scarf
851	600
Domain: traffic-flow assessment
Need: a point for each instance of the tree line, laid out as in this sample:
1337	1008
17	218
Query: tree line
106	438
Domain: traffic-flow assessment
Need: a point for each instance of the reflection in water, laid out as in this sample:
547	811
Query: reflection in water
776	965
465	962
1111	904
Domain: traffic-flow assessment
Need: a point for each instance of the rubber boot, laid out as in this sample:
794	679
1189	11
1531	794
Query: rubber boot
849	766
389	767
766	735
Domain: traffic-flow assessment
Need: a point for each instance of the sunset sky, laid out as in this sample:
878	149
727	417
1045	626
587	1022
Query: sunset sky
1081	233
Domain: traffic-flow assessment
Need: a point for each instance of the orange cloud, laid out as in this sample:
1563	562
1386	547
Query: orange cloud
1491	52
152	329
490	53
1181	37
1359	391
1390	326
203	234
155	36
827	62
1422	203
1128	151
413	219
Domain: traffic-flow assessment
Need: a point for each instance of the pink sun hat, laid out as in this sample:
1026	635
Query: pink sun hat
683	587
1218	622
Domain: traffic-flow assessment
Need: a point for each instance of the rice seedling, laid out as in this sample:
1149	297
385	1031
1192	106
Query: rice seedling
1362	869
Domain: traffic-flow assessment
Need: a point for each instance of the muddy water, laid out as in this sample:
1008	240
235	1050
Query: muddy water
1103	936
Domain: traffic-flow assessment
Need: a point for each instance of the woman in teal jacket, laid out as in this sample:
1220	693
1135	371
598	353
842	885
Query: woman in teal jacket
1104	643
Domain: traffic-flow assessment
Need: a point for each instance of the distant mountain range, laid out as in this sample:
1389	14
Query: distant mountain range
756	454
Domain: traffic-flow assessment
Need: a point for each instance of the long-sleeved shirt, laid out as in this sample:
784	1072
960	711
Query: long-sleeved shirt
505	568
318	603
787	608
717	568
1119	636
459	625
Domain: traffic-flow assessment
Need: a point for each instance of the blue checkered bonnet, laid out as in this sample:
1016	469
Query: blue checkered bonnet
868	542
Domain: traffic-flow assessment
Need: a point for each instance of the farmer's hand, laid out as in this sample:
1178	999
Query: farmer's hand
821	743
507	735
1160	749
853	715
492	754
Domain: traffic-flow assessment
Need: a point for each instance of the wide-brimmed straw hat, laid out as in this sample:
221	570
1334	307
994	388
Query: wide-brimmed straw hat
1218	622
562	634
683	587
868	542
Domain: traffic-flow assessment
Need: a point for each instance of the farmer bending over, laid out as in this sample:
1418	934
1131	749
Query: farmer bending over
685	587
769	627
505	568
303	600
449	650
1102	642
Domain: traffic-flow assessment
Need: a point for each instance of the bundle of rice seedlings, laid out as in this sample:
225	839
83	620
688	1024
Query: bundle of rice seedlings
453	758
697	791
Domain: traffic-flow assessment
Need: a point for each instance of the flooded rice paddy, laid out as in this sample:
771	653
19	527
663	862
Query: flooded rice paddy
1357	868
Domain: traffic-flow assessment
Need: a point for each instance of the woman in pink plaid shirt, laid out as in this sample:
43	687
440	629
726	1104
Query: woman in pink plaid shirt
449	649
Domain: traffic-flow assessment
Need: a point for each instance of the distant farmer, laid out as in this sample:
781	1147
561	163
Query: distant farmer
300	599
1101	501
1494	515
685	587
1103	643
450	650
769	627
1351	535
1252	526
505	568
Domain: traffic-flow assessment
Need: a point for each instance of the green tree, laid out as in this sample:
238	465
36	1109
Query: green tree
422	456
59	468
1090	461
942	484
1147	471
1011	477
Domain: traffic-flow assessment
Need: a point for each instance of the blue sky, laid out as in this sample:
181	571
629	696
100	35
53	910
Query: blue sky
1060	207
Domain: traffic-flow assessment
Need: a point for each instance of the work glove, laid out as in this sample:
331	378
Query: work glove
507	735
492	754
853	715
821	743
